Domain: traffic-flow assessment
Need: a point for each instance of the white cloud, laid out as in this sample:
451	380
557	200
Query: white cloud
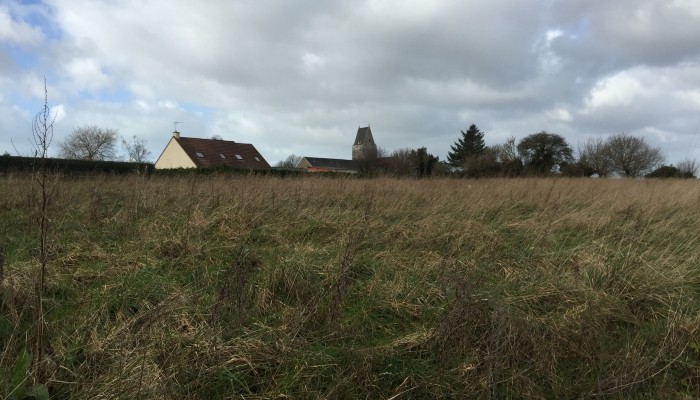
618	90
86	73
553	34
690	97
59	112
691	6
550	62
312	62
17	31
142	105
168	104
31	84
559	114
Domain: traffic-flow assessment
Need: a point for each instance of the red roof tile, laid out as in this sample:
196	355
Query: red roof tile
216	153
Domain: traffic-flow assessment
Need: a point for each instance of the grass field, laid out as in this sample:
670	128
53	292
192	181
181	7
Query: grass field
259	287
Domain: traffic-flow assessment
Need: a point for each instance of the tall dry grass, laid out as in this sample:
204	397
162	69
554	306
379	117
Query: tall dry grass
259	287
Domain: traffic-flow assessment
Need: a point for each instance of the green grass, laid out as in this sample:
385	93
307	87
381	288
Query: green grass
261	287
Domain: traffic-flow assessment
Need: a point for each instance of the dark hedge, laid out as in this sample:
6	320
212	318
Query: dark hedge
11	164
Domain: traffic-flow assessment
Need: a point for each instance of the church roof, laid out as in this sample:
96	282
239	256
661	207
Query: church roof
364	135
331	163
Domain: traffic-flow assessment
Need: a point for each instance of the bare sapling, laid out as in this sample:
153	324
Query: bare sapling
42	136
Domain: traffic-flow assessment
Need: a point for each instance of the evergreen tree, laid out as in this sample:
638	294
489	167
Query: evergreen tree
423	162
471	144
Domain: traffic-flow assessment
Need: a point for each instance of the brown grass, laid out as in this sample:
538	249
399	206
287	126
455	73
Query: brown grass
259	287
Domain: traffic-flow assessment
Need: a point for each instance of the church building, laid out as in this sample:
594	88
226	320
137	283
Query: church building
364	144
363	147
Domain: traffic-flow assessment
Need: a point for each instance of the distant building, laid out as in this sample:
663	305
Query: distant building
364	144
363	147
316	164
182	152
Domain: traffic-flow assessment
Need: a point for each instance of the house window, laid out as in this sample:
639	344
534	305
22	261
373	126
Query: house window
222	156
238	156
200	155
257	159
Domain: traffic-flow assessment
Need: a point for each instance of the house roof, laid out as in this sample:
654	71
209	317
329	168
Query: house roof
216	153
331	163
363	135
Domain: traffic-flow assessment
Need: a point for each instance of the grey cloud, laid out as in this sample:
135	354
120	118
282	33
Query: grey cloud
301	76
603	36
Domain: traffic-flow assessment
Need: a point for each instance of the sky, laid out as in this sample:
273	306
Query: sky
300	77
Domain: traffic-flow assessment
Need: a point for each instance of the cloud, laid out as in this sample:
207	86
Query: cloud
644	96
13	31
312	62
301	76
559	114
86	74
626	33
58	112
168	104
616	91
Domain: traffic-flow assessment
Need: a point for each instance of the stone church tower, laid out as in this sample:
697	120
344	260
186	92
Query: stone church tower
364	144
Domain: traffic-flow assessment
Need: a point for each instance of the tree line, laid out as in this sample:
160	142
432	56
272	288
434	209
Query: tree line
539	154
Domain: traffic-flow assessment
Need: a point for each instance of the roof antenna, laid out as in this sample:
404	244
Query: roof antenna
176	134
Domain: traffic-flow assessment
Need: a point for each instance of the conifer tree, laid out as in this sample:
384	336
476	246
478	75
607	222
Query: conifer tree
471	144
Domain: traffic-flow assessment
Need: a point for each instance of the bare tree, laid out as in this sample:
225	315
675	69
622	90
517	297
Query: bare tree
90	143
42	136
687	168
370	162
507	151
593	155
290	162
399	163
483	165
631	156
136	150
507	156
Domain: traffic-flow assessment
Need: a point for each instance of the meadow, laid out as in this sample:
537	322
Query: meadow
253	287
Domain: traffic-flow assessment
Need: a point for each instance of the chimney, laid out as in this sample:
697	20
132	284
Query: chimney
176	134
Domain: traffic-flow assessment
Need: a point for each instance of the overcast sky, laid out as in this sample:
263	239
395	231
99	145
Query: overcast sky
299	77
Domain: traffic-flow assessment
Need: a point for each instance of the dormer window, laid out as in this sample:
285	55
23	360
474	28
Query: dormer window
257	159
200	155
238	156
223	157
